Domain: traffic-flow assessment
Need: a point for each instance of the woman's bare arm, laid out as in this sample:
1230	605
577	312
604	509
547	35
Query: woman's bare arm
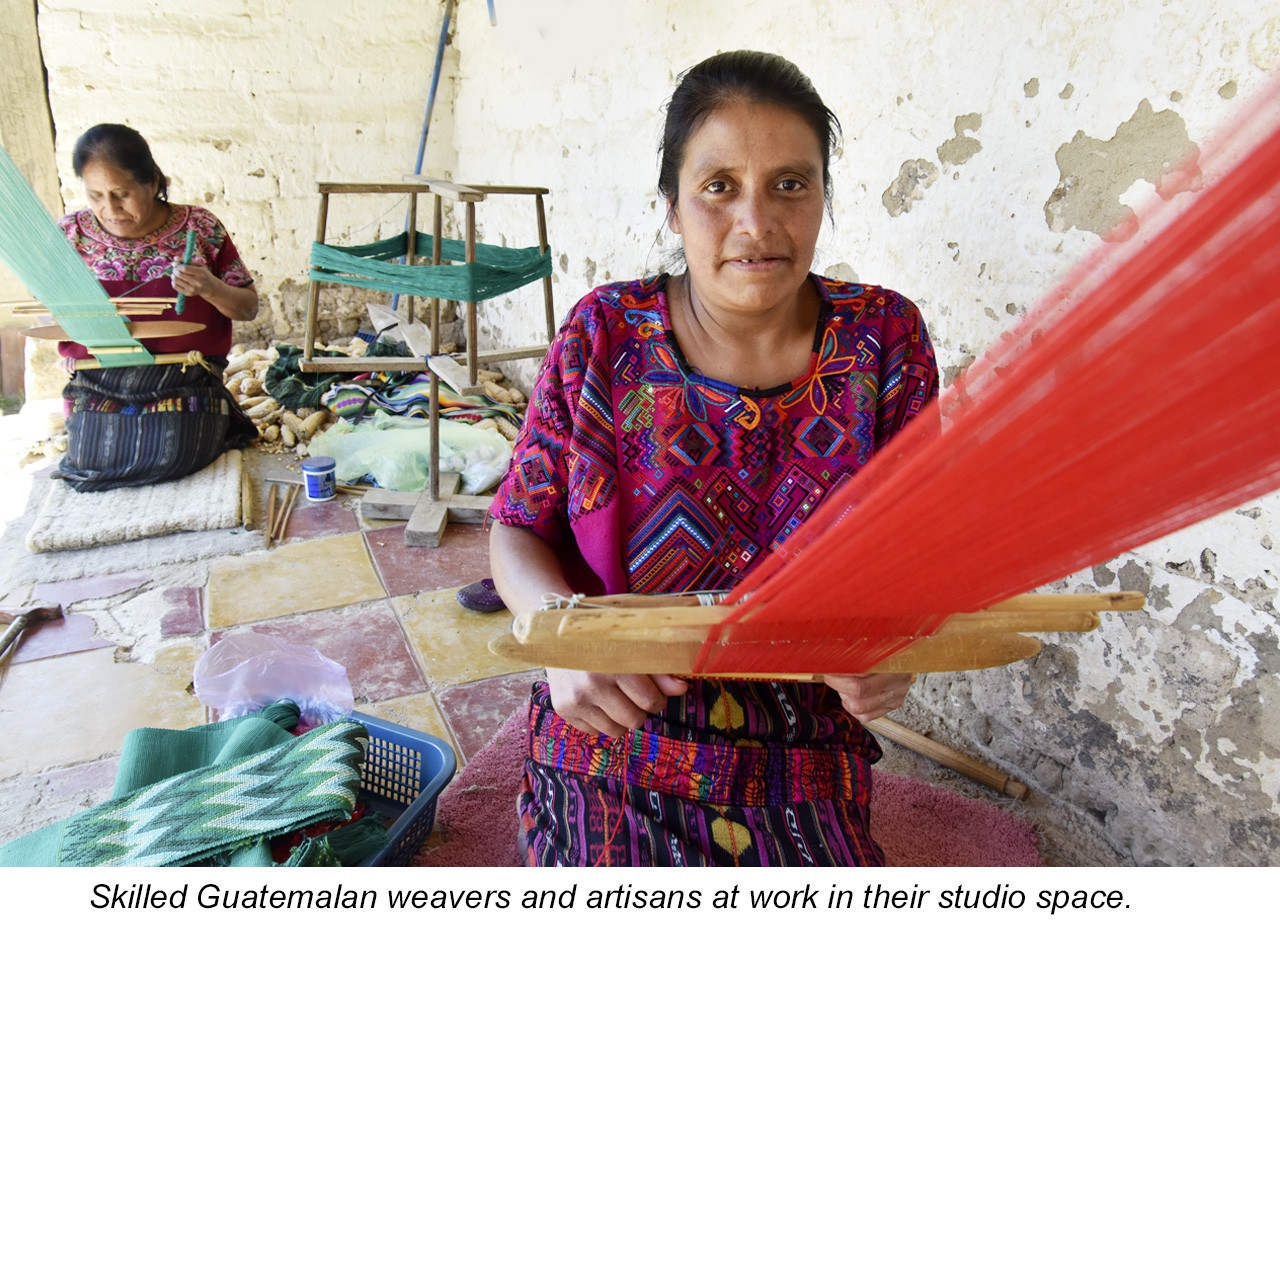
525	569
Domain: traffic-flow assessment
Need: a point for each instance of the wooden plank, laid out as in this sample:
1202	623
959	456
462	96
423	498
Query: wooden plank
469	508
497	190
397	504
427	524
421	185
455	191
534	352
354	365
447	369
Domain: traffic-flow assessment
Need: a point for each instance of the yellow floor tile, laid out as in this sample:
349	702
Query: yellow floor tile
452	642
79	706
299	577
418	711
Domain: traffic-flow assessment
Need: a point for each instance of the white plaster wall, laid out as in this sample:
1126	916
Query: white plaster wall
247	104
1164	728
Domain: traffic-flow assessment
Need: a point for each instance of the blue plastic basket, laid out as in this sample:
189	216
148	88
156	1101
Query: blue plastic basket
404	772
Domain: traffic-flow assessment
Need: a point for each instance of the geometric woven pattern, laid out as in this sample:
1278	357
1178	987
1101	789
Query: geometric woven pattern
669	481
206	813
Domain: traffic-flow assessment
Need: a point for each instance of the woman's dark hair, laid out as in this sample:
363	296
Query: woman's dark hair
123	148
742	75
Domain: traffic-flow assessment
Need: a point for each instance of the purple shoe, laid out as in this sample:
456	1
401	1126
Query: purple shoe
480	597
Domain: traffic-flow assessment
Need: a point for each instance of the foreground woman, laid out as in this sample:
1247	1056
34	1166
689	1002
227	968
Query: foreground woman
145	423
681	427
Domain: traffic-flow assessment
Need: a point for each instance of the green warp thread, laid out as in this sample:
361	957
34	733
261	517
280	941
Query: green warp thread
37	252
369	266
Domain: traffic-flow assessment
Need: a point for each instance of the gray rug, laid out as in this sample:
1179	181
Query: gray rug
72	521
19	567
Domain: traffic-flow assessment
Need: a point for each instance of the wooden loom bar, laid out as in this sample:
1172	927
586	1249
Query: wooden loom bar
137	329
472	340
653	636
313	296
176	357
544	244
411	246
939	752
433	461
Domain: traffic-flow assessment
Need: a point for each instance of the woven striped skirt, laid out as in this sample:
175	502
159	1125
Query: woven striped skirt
146	423
734	773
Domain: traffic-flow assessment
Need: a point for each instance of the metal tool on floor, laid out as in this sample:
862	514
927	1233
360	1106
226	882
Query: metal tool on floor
16	623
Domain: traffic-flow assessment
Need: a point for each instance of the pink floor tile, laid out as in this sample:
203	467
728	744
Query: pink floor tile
363	638
477	711
65	593
185	616
319	519
461	557
97	775
73	633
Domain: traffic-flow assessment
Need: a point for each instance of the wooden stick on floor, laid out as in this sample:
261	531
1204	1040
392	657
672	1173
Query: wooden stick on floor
957	760
271	516
246	498
286	510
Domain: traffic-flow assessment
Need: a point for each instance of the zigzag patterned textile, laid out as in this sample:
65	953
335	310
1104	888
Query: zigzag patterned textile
37	252
495	271
204	814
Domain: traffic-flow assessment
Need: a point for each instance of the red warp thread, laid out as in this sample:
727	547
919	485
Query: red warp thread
1140	397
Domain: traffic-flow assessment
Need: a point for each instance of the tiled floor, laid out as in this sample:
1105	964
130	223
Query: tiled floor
386	612
123	656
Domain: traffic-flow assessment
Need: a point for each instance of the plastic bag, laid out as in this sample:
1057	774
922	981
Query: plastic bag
246	672
396	452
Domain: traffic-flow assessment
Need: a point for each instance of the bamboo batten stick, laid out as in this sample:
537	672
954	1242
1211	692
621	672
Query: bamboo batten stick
246	498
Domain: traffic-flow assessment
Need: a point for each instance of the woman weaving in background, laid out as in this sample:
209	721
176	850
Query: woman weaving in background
681	426
146	423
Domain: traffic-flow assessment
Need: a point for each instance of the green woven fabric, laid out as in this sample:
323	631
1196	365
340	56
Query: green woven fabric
212	795
371	266
287	384
37	252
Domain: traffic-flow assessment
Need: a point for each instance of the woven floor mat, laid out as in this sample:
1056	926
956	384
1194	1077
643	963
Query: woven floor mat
209	499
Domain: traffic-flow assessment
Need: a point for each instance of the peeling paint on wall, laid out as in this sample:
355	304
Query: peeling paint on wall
909	186
1151	145
960	148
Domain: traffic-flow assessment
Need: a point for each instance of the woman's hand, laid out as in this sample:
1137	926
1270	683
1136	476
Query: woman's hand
867	698
596	702
197	281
